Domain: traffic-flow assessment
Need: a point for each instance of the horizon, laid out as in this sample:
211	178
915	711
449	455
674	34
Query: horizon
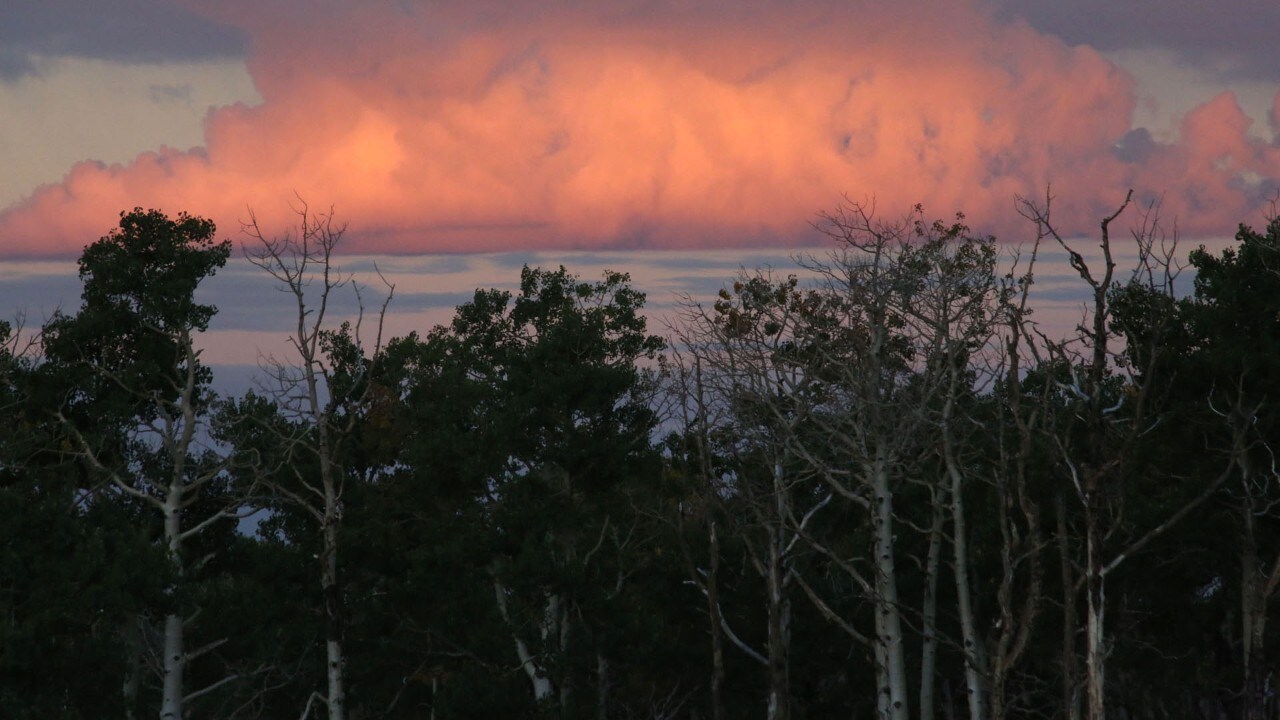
253	319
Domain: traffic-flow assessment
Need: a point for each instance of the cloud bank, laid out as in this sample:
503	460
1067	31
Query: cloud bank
481	126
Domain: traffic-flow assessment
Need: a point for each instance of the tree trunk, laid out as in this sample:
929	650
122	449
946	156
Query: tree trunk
1070	671
557	625
779	644
888	616
1254	594
174	662
779	608
602	687
541	683
717	633
335	661
884	703
302	262
1095	637
330	586
1015	623
974	658
174	658
133	640
929	611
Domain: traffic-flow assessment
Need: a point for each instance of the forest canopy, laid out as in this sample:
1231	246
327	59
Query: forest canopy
872	485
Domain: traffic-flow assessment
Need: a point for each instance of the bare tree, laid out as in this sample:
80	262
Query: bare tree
737	377
1112	416
1254	497
847	387
323	416
690	398
1019	592
916	307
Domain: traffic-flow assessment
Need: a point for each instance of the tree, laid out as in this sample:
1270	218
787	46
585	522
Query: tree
319	394
530	417
841	389
134	402
915	308
1107	406
744	392
1219	374
72	574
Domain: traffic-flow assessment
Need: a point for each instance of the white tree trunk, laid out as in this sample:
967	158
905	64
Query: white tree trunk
888	615
171	699
133	680
602	687
542	688
883	700
1257	586
779	639
555	627
975	658
174	658
297	260
337	693
1069	659
335	662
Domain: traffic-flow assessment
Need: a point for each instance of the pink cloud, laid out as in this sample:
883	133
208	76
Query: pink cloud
1218	173
482	126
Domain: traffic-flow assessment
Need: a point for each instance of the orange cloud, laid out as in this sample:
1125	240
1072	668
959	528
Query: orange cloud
485	125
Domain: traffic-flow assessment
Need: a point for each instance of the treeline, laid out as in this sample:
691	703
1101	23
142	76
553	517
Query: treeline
885	490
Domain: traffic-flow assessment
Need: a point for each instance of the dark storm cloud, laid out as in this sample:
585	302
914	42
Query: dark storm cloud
149	31
1235	38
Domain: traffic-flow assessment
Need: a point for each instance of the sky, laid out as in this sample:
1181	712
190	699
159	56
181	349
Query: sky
677	140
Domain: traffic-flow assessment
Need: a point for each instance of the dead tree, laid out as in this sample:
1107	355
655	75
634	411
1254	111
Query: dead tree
912	307
735	353
302	262
1019	593
1113	416
847	382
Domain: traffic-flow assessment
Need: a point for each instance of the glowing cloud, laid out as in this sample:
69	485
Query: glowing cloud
466	126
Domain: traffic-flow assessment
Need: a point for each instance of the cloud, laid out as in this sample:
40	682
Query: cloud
137	31
484	126
76	109
1238	43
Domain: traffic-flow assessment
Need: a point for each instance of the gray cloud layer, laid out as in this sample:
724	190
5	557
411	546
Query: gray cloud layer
149	31
1236	39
